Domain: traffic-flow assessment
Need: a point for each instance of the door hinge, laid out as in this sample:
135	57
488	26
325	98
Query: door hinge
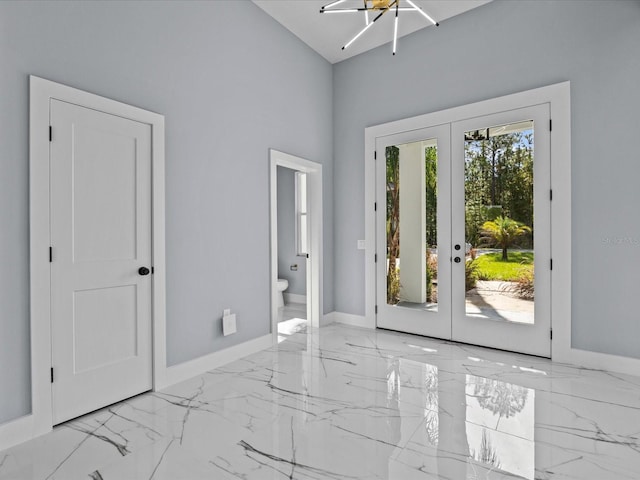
375	258
551	333
50	254
550	125
50	133
550	194
375	155
376	309
551	263
375	206
51	374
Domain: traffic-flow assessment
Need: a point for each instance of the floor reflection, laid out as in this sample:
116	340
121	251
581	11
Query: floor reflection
472	427
500	426
345	403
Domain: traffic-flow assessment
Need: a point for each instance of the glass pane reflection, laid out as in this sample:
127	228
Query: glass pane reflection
500	426
471	427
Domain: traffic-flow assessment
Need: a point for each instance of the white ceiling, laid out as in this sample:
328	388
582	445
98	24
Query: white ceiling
327	33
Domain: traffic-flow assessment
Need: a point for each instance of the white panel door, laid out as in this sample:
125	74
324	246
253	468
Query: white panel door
101	245
413	232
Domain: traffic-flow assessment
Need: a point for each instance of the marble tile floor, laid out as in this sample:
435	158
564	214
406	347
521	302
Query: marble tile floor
355	404
291	311
291	320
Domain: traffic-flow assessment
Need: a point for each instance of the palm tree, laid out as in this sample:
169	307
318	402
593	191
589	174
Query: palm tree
504	232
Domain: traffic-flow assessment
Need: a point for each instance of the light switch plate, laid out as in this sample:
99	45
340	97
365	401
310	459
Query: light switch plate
227	311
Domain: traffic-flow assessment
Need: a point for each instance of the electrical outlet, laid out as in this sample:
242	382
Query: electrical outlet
227	311
229	324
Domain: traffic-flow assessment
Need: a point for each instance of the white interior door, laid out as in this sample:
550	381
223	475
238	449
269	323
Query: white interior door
101	243
501	173
413	232
441	270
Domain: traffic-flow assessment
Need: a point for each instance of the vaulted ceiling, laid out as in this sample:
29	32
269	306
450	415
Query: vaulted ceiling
328	33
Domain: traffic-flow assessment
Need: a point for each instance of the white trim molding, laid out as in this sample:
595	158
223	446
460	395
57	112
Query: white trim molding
19	430
599	361
314	262
327	319
41	93
352	320
295	298
558	98
200	365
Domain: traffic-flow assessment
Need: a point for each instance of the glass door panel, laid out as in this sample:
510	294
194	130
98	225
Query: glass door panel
501	285
413	232
414	240
498	189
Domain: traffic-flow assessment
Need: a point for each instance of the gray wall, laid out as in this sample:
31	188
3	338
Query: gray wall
497	49
232	83
287	234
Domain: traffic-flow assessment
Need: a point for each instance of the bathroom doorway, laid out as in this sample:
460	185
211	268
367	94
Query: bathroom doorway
296	243
293	250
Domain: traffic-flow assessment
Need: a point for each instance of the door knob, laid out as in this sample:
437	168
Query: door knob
144	271
457	247
457	259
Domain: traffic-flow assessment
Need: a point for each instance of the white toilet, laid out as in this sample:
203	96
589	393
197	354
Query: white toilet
281	285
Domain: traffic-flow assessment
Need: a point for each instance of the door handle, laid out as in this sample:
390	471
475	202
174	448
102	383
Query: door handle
144	271
457	247
457	259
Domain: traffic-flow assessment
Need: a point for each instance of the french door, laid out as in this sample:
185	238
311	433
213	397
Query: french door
458	254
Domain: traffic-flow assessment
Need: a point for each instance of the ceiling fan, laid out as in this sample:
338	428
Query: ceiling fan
380	7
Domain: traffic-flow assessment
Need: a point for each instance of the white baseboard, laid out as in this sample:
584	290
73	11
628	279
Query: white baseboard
353	320
599	361
294	298
200	365
575	357
25	428
18	431
327	319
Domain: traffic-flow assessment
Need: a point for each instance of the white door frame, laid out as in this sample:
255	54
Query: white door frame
558	98
314	263
41	93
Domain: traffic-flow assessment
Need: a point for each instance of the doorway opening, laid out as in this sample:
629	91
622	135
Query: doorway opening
296	243
293	250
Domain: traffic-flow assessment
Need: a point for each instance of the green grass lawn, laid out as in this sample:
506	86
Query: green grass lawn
492	267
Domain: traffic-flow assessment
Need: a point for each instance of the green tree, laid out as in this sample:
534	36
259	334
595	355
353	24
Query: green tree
392	155
504	232
431	195
498	178
431	223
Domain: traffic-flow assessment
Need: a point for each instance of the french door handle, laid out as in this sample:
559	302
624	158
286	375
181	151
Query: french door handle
456	259
144	271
